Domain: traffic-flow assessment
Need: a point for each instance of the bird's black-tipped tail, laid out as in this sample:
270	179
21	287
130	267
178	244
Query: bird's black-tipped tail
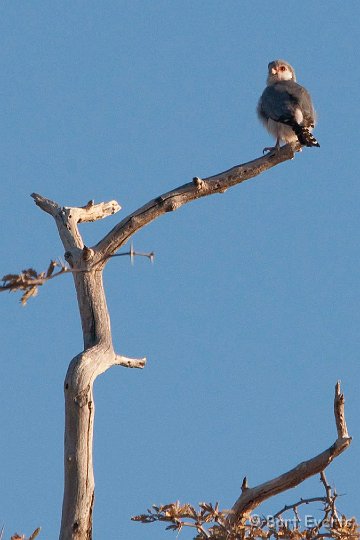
306	138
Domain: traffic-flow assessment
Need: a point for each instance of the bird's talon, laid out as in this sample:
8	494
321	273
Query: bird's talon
270	149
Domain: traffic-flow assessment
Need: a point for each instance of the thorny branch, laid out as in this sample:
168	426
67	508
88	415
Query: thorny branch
29	280
240	523
211	522
296	505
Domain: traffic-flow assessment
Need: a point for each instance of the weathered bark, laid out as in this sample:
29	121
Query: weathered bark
172	200
99	355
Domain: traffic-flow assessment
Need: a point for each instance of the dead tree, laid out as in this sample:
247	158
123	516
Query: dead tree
87	265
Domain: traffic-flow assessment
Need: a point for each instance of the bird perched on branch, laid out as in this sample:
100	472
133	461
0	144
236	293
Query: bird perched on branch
285	107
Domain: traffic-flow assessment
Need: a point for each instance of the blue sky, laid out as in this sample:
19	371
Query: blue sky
250	313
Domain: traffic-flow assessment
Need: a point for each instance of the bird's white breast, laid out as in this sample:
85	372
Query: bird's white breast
281	131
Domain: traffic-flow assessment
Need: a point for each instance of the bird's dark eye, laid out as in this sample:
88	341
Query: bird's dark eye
282	68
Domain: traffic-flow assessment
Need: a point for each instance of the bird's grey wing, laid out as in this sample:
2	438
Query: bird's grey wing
280	102
305	103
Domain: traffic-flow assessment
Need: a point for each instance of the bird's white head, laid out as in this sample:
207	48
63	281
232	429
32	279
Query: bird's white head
279	70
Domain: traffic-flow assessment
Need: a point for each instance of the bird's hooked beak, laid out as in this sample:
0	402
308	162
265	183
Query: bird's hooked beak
274	70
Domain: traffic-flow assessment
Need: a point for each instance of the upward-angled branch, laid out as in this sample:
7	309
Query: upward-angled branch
172	200
68	218
250	498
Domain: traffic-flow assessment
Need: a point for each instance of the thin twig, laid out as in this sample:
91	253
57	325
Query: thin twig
29	280
302	501
132	253
174	199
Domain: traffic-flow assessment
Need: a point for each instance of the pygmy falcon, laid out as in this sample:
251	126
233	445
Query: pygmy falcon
285	107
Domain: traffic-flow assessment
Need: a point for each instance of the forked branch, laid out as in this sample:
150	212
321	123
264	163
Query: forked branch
67	218
251	498
86	213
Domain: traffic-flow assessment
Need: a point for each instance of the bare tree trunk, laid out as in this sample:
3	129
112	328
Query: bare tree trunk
97	357
87	265
79	407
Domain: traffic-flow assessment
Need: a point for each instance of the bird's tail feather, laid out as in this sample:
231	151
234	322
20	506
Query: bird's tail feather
306	138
